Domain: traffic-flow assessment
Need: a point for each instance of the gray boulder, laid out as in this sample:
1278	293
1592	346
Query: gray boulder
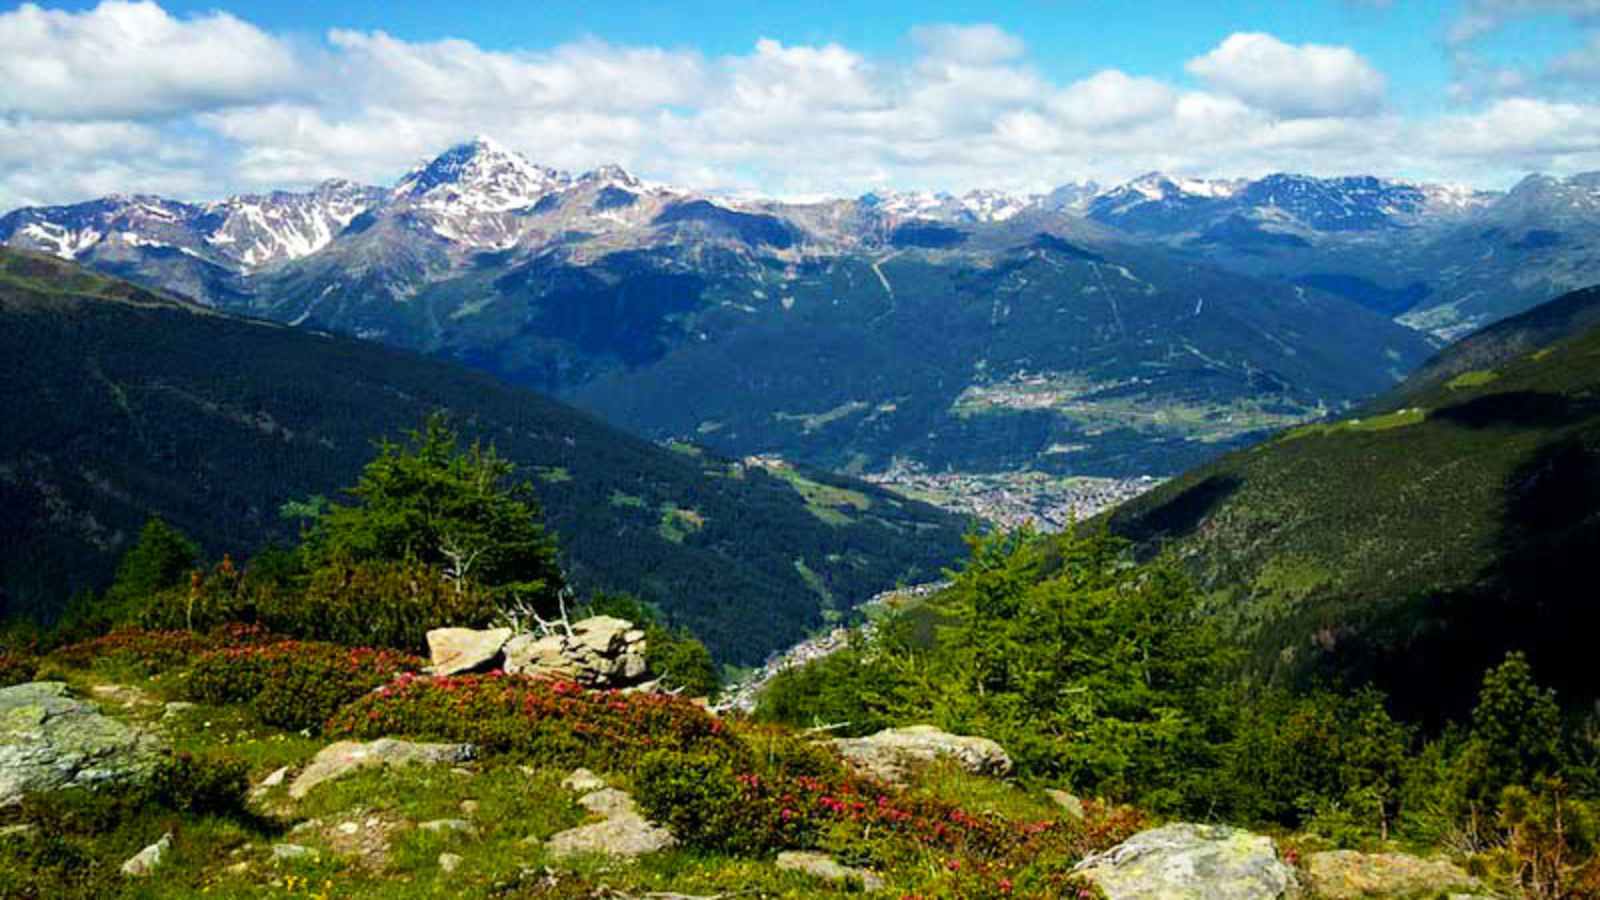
890	753
50	741
1192	862
340	759
453	651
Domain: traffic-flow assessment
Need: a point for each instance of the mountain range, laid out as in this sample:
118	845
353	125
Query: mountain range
121	402
983	331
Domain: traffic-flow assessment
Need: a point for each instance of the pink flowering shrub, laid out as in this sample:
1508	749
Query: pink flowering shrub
153	651
294	684
545	721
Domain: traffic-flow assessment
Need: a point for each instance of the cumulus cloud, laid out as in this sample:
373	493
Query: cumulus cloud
965	109
134	60
1292	80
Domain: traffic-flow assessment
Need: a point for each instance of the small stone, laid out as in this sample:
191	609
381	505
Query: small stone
469	807
290	852
238	868
307	825
449	862
145	861
583	781
348	828
274	779
459	826
820	865
608	803
176	708
373	822
1069	804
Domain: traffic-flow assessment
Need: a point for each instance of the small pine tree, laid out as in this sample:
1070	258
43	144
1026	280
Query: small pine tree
1516	730
161	559
430	501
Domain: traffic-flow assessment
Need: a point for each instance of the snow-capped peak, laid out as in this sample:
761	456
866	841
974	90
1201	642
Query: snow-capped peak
478	177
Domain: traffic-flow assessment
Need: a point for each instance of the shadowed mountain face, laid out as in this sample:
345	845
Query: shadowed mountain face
1421	541
122	403
974	332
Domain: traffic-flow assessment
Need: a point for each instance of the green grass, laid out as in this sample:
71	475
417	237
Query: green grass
1472	379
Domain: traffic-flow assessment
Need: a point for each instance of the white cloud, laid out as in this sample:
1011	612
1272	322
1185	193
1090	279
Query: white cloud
1292	80
980	45
134	60
966	109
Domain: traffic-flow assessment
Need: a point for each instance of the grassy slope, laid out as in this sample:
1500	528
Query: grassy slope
1417	544
115	410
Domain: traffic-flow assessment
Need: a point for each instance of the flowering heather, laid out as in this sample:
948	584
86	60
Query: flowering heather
294	684
538	719
152	651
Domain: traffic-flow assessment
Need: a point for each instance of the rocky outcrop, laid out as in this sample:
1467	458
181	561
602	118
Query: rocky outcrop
1192	862
824	867
50	741
453	651
600	651
889	754
1348	875
342	758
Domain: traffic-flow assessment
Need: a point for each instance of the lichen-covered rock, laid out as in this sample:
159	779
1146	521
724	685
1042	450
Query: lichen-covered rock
50	741
1192	862
340	759
824	867
608	802
888	754
1348	875
453	651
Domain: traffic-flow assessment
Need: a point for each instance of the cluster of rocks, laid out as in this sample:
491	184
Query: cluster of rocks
598	652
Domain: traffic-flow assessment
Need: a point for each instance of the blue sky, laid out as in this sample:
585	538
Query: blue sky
197	99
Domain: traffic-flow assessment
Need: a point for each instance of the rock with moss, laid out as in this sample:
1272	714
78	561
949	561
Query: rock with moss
1349	875
889	754
50	740
1192	862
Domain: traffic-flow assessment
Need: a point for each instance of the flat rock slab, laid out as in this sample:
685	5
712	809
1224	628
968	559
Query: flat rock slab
50	741
340	759
823	866
888	754
1348	875
624	836
1192	862
456	650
